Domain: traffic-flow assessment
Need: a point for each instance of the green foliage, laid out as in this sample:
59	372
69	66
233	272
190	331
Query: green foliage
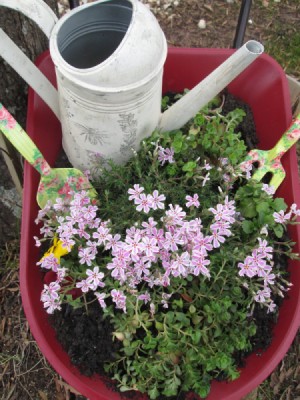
257	209
218	137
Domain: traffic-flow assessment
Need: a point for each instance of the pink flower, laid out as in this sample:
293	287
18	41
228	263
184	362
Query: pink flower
271	307
86	256
61	273
165	155
121	254
133	245
37	241
206	179
118	269
262	295
257	260
175	213
199	263
158	234
222	226
141	268
294	209
84	286
89	212
52	289
203	243
269	279
145	297
49	262
149	246
207	166
270	190
135	192
280	217
60	205
217	238
113	242
246	268
157	200
51	305
101	297
149	225
192	201
68	243
46	231
119	298
171	241
50	297
220	212
264	249
95	277
182	262
247	167
144	203
80	199
101	235
81	231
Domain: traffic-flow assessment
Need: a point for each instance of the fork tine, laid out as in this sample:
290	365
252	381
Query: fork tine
277	178
260	173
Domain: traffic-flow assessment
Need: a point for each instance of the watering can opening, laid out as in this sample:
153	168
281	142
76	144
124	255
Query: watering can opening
254	47
88	38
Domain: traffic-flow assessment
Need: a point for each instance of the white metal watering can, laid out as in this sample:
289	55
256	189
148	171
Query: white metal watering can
109	58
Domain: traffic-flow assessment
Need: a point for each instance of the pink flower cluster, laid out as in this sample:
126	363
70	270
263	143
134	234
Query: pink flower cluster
151	253
50	297
258	264
146	202
93	280
154	253
281	217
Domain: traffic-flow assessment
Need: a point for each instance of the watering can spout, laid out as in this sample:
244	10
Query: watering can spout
184	109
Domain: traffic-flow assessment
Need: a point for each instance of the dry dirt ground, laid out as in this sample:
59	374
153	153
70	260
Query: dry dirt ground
24	373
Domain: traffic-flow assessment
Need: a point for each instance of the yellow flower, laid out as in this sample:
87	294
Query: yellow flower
58	250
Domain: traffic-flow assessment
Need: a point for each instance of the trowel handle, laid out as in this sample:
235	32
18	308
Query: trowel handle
44	17
287	140
22	142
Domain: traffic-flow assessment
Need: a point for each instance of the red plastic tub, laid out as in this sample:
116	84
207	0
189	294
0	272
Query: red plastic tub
263	86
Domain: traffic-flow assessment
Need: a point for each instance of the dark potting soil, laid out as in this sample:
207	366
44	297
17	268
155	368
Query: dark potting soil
87	338
247	126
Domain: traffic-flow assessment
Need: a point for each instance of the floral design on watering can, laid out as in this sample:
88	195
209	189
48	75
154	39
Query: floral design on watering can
128	125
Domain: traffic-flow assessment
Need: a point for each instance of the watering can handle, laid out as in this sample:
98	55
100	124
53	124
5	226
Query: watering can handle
44	17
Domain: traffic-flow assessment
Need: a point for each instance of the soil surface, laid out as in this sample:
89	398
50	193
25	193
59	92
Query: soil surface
24	373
